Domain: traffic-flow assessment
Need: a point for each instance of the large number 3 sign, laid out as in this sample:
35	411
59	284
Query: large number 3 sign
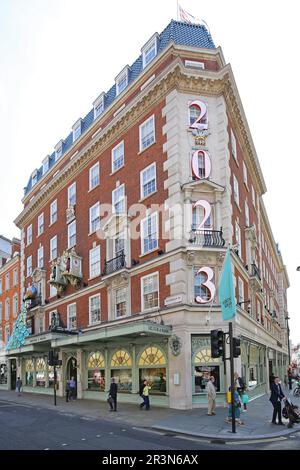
197	124
208	272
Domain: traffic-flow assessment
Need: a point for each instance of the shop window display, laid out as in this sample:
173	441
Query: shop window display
40	372
96	371
204	367
29	372
150	358
3	374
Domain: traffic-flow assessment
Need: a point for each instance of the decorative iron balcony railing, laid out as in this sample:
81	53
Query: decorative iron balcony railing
114	264
207	238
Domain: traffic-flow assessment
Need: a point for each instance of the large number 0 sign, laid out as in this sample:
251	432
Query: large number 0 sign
208	284
197	124
200	162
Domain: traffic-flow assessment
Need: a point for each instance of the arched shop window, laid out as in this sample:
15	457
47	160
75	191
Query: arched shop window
121	370
40	372
204	367
152	367
51	376
96	371
29	372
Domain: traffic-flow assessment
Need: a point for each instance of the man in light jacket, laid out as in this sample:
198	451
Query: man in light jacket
211	396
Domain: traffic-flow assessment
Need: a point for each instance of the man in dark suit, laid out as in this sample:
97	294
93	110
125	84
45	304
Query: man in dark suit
113	394
276	396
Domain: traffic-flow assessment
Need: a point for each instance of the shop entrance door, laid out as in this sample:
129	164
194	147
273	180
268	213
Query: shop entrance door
271	374
13	373
72	370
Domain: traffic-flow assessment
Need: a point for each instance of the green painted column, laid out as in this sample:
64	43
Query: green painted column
107	370
135	374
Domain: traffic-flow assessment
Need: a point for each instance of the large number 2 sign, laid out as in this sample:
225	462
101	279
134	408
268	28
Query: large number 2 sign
207	211
208	284
197	124
205	164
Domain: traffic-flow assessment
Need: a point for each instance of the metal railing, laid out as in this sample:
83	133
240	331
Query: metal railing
207	238
114	264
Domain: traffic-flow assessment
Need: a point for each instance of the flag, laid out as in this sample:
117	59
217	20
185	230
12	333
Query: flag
188	18
226	290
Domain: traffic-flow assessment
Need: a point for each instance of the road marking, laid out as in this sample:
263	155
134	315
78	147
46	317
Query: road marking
98	435
64	444
47	448
88	418
123	430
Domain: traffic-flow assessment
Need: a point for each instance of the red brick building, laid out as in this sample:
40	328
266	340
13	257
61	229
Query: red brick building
124	230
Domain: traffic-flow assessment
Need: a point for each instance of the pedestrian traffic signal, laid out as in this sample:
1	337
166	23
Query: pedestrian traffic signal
217	343
53	358
236	347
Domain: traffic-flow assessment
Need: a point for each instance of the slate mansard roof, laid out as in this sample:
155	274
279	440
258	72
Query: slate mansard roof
178	32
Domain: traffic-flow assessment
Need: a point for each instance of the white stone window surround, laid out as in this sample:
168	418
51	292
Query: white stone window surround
41	223
117	156
72	234
58	149
40	257
149	233
29	266
29	234
236	193
72	316
94	217
148	181
98	105
118	200
53	212
53	248
72	194
94	308
45	163
233	144
149	50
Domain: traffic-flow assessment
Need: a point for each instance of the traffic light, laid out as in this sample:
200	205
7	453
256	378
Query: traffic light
217	343
53	358
236	347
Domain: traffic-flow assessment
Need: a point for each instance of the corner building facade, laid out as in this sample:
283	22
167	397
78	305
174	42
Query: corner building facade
125	228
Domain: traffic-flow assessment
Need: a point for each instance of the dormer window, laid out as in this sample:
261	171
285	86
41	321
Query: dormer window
46	164
77	129
34	178
149	51
122	80
58	150
98	105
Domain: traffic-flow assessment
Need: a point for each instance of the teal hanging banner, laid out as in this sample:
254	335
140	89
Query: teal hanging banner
226	290
20	331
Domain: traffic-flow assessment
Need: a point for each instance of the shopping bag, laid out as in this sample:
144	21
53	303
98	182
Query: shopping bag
228	397
245	399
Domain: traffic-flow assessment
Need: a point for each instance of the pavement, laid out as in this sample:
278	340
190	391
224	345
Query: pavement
195	422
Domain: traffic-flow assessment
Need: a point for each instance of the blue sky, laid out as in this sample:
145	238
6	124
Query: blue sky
57	56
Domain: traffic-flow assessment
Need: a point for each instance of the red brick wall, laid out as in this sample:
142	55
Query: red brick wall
9	294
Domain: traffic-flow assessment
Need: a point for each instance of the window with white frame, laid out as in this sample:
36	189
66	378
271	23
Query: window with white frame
98	106
258	314
94	176
121	82
53	212
29	234
119	244
7	309
149	233
117	156
149	51
53	291
72	319
238	238
41	223
200	290
118	200
15	277
120	302
94	261
233	144
147	133
198	214
94	309
253	197
241	291
40	257
236	194
34	178
150	291
15	305
7	283
7	333
0	312
45	165
76	131
29	265
95	217
72	234
194	114
53	248
148	180
72	195
245	173
247	217
0	286
58	150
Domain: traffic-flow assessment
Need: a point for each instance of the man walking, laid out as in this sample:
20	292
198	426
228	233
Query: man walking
113	391
211	396
276	397
19	386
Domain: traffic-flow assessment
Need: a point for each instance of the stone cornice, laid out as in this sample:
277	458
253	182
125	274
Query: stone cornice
176	76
